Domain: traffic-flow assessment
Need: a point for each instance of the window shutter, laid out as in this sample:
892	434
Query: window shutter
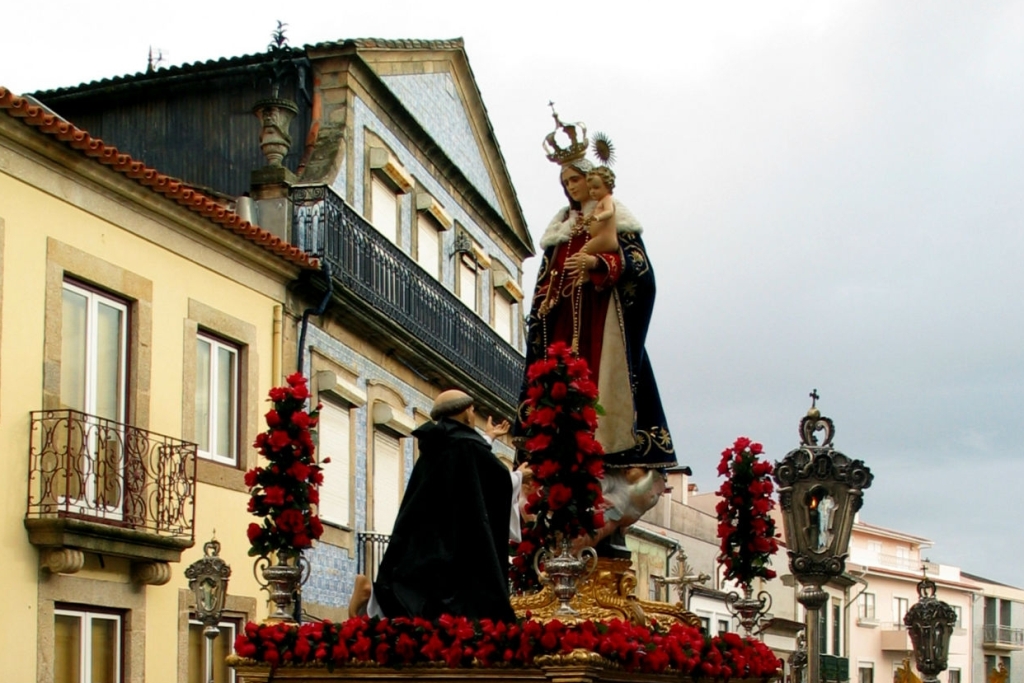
335	441
387	485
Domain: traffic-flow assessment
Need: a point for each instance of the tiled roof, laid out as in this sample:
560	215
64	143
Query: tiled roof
394	44
246	61
165	72
108	155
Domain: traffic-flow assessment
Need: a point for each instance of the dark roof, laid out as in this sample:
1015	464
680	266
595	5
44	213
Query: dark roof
21	109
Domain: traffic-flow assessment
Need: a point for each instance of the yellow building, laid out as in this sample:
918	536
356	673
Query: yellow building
143	320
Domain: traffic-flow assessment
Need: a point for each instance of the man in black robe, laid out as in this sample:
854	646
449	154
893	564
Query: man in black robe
448	553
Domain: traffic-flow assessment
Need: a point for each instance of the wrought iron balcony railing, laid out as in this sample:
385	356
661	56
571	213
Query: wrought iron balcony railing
91	469
366	264
370	549
1004	636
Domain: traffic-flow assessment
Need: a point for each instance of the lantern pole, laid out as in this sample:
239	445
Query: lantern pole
208	581
820	492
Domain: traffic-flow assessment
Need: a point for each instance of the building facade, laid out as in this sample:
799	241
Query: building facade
145	314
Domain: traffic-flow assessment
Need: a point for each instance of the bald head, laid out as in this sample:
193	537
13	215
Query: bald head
450	403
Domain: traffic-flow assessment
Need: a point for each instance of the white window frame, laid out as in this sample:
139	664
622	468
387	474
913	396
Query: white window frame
217	343
508	333
225	627
863	611
897	616
93	300
85	654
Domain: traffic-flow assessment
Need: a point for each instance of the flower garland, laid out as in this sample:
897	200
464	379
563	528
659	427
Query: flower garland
284	492
560	420
459	642
745	525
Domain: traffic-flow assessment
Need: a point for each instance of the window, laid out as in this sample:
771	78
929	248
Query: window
387	480
335	443
428	245
954	676
384	209
866	673
86	647
93	371
503	316
823	631
866	606
723	626
222	647
837	620
959	615
468	282
899	610
902	557
94	332
705	624
217	399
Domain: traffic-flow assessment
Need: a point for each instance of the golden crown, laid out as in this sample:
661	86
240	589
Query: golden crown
573	137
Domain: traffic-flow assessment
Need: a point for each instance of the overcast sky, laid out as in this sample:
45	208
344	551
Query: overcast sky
832	196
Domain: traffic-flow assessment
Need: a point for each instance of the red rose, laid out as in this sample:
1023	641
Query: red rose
253	532
547	469
559	496
300	419
250	477
278	394
741	443
300	392
273	495
316	528
538	443
279	439
299	470
559	391
295	379
273	418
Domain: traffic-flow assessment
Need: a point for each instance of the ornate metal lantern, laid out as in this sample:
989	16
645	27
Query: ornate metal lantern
820	491
208	581
930	623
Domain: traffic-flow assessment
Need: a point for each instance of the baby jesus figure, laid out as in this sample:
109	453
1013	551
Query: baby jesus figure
601	223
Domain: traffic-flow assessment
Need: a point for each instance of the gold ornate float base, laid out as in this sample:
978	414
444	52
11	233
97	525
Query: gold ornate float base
605	594
576	667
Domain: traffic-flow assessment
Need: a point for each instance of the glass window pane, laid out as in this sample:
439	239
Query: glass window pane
196	663
73	349
222	647
104	651
225	402
203	394
109	328
67	648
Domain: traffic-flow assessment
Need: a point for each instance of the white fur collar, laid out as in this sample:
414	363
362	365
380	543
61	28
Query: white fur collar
559	231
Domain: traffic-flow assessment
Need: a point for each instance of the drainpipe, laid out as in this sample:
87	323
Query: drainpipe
325	268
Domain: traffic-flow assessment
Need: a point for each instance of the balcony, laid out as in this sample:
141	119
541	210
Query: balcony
370	549
834	668
99	486
895	638
404	308
1002	637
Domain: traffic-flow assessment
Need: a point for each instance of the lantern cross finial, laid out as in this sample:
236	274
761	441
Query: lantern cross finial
814	397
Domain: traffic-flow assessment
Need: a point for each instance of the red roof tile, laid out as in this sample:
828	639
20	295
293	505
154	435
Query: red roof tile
108	155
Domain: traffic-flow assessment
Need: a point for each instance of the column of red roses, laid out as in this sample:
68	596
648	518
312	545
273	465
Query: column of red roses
559	424
284	491
745	526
